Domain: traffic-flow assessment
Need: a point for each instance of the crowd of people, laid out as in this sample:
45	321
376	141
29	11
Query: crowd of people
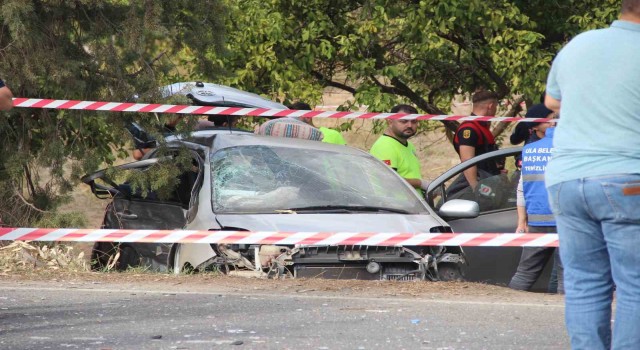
583	182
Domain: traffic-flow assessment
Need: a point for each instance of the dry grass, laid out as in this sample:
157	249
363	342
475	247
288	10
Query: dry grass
23	256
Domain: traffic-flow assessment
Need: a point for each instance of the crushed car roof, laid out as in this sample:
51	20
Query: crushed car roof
224	138
209	94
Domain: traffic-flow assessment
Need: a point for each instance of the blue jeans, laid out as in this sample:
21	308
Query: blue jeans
598	221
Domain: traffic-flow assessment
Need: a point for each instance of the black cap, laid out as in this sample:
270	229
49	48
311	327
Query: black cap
538	111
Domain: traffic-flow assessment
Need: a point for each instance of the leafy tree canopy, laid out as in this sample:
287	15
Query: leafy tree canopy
388	51
87	50
383	52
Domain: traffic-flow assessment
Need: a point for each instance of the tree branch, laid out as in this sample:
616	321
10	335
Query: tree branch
451	126
332	83
515	109
28	204
148	64
502	88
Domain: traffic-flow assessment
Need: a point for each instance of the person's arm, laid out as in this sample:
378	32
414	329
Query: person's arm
170	126
552	103
468	138
139	153
553	94
6	97
521	208
522	220
418	183
471	174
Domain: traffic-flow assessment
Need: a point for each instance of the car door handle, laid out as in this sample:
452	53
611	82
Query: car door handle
127	216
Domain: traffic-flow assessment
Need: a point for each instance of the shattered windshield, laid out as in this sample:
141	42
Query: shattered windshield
262	179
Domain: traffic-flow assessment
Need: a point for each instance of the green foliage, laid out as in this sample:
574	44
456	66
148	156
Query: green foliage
161	179
73	219
383	52
386	52
88	50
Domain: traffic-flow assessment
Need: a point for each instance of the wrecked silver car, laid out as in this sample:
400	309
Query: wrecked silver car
241	181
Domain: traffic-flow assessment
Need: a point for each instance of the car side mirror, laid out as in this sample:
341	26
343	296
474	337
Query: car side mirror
459	209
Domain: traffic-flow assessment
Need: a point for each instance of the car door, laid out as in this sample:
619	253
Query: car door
496	197
132	208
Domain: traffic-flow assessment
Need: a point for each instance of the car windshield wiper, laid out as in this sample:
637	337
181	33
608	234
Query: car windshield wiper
343	209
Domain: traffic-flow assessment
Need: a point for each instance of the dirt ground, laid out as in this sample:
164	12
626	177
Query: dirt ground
450	291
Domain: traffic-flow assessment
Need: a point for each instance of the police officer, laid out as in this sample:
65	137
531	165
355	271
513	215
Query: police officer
395	150
474	138
534	212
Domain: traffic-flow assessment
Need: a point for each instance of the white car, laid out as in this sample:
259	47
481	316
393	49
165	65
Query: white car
242	181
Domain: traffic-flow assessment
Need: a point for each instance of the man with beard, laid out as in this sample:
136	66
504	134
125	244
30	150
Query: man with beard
395	150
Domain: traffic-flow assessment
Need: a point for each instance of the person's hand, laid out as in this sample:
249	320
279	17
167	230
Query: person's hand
522	228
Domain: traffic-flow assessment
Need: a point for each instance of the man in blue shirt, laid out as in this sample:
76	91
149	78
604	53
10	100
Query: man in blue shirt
593	180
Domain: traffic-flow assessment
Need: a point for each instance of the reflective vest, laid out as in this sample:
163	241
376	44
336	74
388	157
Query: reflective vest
535	157
486	143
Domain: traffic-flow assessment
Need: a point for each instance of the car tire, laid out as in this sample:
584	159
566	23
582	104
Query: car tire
128	258
175	258
101	253
450	272
174	262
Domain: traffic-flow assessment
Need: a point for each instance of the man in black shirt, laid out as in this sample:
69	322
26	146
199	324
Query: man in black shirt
474	138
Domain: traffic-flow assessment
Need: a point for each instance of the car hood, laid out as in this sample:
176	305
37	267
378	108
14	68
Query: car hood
331	222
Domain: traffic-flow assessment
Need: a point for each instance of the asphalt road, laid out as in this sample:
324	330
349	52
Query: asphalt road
41	315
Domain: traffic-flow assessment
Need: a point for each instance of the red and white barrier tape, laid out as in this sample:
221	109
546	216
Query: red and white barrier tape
285	238
255	112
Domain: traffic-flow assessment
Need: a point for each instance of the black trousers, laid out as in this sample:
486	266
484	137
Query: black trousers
533	261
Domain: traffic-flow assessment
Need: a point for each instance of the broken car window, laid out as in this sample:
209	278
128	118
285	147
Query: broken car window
263	179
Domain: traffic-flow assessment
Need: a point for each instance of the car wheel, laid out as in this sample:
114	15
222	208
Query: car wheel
177	265
448	272
128	258
101	255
